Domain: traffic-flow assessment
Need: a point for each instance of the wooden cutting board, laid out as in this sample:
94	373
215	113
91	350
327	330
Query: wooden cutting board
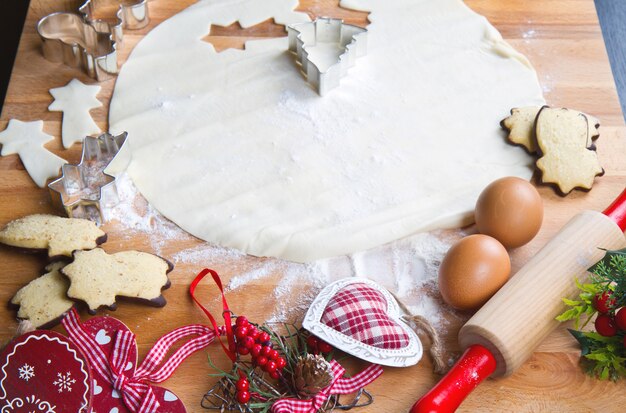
563	40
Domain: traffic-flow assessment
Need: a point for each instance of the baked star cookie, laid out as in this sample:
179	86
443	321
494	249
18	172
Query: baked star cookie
97	278
60	236
521	127
44	300
567	156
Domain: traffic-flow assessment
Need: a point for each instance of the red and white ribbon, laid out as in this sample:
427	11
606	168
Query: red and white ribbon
339	385
137	394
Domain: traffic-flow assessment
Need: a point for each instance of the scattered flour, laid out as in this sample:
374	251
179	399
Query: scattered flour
408	267
135	214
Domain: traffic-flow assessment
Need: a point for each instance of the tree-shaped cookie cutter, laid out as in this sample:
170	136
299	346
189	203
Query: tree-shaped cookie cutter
80	40
85	190
352	39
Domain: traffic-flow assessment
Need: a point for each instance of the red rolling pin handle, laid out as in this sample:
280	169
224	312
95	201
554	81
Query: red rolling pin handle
617	211
477	363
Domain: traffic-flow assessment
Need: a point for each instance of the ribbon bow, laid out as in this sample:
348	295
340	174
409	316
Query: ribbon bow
339	385
136	393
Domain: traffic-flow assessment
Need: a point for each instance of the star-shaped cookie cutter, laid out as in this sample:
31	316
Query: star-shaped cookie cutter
85	190
80	40
352	39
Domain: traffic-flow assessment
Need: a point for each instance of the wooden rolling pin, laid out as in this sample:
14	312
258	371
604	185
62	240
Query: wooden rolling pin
505	331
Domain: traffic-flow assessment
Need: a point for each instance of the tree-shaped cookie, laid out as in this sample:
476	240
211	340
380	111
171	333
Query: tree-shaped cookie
44	300
60	236
521	127
97	278
26	139
567	156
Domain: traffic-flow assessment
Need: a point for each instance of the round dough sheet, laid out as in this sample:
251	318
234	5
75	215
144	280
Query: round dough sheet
239	150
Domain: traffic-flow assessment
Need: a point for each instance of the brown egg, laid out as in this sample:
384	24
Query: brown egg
510	210
472	271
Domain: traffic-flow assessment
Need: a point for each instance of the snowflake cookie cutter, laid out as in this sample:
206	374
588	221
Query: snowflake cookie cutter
85	190
352	39
80	40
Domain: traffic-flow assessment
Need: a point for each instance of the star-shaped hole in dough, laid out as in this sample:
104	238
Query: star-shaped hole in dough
235	36
75	100
26	139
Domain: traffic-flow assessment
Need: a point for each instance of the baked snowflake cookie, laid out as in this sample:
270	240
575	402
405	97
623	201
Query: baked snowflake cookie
97	278
44	300
563	139
60	236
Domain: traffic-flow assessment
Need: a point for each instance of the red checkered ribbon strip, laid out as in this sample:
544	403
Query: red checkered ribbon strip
339	385
360	312
137	394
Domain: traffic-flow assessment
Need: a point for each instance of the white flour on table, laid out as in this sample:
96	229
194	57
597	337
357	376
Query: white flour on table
407	267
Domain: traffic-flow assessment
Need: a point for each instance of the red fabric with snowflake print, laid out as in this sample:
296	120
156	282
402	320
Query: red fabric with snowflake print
44	371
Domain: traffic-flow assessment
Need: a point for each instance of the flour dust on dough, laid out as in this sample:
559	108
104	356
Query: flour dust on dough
239	150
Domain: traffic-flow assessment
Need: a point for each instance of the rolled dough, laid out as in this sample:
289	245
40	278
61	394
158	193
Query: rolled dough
239	150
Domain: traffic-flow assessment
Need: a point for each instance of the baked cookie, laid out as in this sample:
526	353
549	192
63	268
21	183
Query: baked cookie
521	127
44	300
97	278
60	236
567	157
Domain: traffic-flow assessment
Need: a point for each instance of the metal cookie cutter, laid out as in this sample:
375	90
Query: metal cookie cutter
85	190
326	31
80	41
130	15
68	39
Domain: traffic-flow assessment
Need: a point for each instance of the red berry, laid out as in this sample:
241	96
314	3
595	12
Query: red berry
248	342
281	363
243	385
242	321
604	302
241	332
311	342
256	350
605	326
243	350
275	374
253	332
261	361
620	318
324	347
265	351
243	397
263	337
273	354
270	366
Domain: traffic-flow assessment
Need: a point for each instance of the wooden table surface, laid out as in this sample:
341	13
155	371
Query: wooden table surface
562	39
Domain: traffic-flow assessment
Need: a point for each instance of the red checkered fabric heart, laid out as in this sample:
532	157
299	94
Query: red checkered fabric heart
360	311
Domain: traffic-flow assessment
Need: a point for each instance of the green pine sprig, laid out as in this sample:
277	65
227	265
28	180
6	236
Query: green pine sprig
603	357
581	307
